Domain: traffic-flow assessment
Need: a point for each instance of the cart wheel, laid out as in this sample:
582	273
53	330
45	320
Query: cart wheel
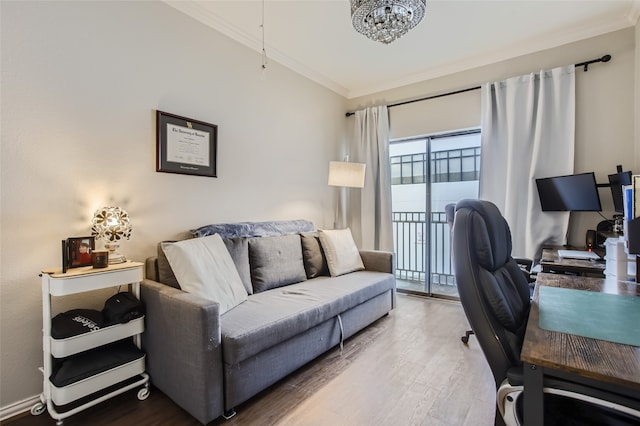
59	422
143	394
38	409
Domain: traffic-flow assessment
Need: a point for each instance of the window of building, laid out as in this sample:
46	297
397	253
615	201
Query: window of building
455	165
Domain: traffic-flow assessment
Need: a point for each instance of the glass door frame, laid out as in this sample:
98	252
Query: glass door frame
428	216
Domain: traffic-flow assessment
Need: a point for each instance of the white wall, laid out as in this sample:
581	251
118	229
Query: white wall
80	85
607	132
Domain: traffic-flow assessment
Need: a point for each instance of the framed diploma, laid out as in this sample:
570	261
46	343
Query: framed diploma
185	146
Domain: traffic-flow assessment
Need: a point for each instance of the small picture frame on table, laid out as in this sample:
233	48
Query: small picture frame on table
76	252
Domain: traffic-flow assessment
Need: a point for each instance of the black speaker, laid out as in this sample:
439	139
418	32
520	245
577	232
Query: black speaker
590	239
604	227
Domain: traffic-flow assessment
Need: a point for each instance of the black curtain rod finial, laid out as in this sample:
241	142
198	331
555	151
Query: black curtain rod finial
605	58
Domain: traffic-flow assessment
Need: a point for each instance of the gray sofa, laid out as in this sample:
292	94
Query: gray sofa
210	363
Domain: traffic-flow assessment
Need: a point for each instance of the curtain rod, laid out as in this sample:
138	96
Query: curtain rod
605	58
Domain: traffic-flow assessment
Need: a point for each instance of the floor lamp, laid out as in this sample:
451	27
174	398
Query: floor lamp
344	174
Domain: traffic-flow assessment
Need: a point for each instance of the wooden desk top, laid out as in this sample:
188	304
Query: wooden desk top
590	358
550	261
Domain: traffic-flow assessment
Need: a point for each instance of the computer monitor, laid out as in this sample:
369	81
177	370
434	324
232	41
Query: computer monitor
616	182
578	193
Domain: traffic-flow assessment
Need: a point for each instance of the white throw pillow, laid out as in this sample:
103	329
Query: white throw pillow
341	251
203	266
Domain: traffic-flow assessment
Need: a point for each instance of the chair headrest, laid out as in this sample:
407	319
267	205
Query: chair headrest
494	245
450	213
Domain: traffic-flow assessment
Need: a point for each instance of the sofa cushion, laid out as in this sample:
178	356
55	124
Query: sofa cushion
165	273
341	251
315	263
271	317
239	251
203	266
275	262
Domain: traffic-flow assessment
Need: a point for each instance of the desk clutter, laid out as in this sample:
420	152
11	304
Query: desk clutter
620	264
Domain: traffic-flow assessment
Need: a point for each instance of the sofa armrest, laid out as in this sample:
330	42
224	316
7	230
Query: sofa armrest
151	268
377	260
182	343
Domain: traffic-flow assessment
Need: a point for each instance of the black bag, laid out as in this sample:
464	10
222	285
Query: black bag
75	322
121	308
83	365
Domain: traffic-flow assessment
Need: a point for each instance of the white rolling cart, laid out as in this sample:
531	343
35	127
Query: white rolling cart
130	374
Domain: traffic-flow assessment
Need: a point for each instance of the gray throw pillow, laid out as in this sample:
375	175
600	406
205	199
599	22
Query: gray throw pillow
275	262
342	253
203	266
315	262
239	251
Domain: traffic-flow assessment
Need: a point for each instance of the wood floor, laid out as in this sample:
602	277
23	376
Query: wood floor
408	368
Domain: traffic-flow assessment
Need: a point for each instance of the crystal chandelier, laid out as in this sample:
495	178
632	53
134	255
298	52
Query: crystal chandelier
386	20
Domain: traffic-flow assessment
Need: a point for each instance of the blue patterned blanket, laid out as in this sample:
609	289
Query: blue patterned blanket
255	229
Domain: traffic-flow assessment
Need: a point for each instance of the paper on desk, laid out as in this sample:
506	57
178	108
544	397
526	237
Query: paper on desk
578	254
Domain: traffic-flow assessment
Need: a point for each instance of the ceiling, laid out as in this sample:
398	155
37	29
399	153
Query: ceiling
316	39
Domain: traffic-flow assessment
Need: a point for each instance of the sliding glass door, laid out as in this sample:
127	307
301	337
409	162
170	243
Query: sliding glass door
428	173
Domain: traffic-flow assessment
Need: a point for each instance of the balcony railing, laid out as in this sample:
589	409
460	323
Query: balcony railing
410	239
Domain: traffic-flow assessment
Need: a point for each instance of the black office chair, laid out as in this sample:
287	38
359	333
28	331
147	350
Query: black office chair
496	300
524	263
450	213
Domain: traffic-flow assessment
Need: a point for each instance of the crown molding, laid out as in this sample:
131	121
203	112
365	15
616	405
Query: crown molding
634	12
549	41
194	10
199	13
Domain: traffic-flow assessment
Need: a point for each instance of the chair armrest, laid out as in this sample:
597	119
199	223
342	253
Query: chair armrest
182	342
377	260
515	376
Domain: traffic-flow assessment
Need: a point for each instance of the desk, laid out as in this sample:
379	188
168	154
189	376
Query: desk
598	363
551	262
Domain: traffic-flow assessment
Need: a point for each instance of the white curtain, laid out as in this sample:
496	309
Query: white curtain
528	129
370	214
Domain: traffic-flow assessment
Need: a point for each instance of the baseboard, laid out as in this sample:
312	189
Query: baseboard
18	407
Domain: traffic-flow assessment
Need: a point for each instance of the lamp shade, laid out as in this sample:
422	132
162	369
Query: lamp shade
342	173
111	224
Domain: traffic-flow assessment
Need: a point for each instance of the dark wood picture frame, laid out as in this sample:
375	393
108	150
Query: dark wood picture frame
78	252
185	146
